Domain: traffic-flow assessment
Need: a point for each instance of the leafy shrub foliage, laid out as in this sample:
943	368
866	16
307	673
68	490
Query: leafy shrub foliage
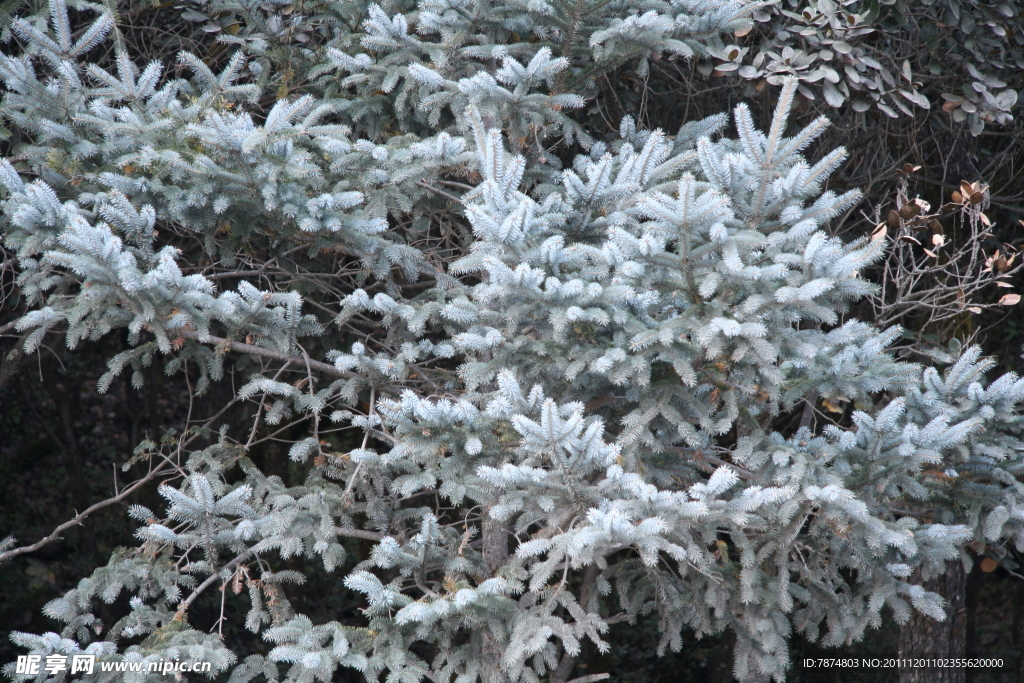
544	373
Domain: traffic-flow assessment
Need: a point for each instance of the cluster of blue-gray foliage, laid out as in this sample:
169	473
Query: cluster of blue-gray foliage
568	418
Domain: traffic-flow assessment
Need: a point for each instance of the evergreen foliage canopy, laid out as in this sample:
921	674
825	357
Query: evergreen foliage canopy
567	357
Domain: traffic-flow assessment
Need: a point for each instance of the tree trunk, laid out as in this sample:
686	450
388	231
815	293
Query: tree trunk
495	551
975	580
1017	633
568	662
924	637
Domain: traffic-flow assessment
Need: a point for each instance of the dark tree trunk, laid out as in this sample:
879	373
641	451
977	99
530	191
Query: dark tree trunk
924	637
495	551
1018	633
568	662
975	581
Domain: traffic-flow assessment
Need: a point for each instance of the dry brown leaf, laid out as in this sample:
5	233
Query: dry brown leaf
1009	299
834	406
909	210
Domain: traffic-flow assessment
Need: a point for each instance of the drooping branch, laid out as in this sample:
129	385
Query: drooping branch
252	350
81	516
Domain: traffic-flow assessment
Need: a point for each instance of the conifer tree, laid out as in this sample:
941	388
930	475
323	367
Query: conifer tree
567	358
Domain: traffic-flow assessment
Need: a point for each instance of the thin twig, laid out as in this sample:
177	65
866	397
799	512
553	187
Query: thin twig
80	517
265	353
